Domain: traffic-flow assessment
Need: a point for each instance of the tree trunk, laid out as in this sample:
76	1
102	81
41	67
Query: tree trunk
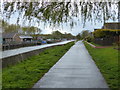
119	11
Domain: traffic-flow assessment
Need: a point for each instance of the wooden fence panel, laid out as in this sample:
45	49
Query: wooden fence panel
107	41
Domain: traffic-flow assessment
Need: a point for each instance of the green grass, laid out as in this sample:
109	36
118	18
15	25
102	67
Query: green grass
107	61
94	44
25	74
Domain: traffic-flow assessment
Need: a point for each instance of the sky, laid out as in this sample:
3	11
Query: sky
47	28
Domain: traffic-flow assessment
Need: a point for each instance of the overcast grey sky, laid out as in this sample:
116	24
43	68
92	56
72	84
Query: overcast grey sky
47	29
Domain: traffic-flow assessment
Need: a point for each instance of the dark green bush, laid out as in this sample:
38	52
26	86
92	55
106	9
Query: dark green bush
89	38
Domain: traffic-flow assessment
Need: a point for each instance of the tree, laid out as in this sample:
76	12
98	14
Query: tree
79	36
31	30
119	11
16	28
9	27
68	36
59	12
85	33
57	35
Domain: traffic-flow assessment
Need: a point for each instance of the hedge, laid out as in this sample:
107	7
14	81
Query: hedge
106	32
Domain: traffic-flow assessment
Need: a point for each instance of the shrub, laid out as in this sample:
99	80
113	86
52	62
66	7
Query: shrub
89	38
106	33
116	45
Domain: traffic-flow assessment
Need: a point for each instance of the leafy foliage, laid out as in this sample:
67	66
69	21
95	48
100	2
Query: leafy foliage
79	36
85	33
31	30
106	33
89	38
56	34
59	12
6	27
9	28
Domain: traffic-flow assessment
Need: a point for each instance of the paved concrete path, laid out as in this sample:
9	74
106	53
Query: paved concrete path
13	52
75	69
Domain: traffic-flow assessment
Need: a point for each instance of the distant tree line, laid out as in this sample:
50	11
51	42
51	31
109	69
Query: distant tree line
85	35
34	31
56	35
6	28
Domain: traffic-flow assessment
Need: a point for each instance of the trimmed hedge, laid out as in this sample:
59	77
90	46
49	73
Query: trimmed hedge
99	33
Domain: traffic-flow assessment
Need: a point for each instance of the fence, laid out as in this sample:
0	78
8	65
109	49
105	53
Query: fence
107	41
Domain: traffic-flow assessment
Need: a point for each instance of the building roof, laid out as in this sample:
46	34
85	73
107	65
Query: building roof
8	35
23	36
11	35
112	25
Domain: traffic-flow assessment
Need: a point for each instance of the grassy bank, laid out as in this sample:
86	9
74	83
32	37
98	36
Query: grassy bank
28	72
107	61
95	44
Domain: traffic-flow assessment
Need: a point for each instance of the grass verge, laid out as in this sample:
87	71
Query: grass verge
94	44
107	61
28	72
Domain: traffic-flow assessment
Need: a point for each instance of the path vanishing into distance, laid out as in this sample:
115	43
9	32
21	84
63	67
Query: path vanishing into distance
75	69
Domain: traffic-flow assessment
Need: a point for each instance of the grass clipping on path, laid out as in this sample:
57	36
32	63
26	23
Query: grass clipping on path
107	61
28	72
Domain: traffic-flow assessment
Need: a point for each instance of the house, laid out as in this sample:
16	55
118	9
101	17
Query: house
10	37
25	38
15	37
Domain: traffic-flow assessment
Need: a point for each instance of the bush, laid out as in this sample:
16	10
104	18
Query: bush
100	33
89	38
116	45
